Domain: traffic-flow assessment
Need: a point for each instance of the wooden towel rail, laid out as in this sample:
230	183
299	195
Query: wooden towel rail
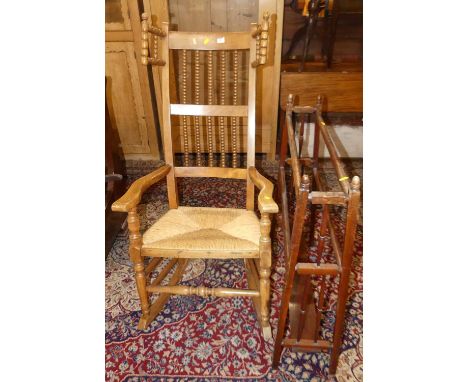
305	293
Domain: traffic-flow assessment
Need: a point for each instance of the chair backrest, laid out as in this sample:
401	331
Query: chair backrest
208	102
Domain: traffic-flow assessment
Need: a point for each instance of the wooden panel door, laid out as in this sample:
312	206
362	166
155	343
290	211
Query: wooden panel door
131	95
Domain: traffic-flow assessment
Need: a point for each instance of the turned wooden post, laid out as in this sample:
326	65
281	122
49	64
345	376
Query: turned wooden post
197	102
144	39
261	35
184	101
222	101
296	239
265	268
295	162
234	120
350	233
210	102
139	266
146	29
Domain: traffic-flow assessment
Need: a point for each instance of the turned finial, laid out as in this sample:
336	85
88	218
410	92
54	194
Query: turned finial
319	101
146	30
355	183
266	16
305	183
261	35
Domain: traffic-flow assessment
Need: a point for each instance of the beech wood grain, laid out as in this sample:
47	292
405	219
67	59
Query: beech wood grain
133	195
266	204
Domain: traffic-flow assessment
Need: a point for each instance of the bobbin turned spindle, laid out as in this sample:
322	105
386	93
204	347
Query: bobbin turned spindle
146	29
261	34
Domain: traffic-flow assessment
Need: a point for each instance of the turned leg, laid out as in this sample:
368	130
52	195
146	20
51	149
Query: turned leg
264	273
296	240
139	266
350	232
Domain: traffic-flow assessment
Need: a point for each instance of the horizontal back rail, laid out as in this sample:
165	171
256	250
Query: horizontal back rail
317	269
210	110
209	41
331	229
328	197
211	172
304	109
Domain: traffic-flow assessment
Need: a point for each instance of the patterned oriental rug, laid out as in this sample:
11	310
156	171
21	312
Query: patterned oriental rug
216	339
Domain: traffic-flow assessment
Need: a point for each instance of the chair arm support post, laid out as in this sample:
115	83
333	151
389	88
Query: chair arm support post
266	204
133	195
265	267
135	256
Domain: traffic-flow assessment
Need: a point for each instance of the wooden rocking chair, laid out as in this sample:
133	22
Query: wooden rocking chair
201	232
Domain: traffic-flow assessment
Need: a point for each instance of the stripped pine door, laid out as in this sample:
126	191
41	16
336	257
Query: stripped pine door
130	97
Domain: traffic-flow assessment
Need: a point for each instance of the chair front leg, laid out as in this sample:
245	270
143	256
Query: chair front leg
139	266
264	273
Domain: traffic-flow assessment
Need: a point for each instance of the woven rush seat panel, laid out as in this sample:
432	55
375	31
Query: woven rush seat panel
205	229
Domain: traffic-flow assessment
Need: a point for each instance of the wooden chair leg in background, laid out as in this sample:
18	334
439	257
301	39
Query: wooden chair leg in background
149	312
158	304
253	280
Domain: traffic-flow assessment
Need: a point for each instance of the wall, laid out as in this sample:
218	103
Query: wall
347	138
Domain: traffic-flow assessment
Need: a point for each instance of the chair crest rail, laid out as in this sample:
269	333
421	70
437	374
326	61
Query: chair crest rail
209	110
209	40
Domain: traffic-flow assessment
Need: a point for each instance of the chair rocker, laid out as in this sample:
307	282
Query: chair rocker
185	232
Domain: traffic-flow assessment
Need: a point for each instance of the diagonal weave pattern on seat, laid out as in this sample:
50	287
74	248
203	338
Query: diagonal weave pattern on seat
205	228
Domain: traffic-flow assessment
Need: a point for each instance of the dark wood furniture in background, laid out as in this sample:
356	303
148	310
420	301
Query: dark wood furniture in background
322	35
310	10
305	293
343	90
347	12
186	232
114	172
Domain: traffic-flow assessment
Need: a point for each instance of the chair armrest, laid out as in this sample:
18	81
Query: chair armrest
133	195
266	204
